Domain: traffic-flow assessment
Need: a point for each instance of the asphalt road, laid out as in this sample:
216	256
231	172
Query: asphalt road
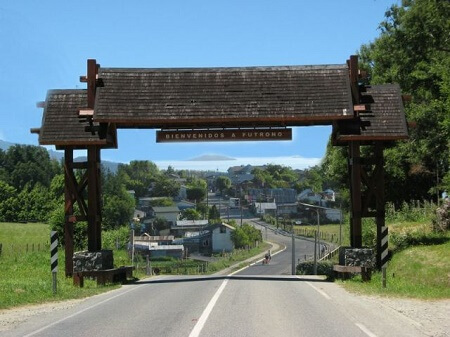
221	306
262	300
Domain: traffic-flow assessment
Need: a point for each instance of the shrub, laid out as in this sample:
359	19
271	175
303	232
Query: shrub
441	222
323	268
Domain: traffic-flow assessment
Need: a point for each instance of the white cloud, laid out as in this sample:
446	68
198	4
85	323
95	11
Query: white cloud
295	162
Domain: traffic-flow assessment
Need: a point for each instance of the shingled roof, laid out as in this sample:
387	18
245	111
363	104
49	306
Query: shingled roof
61	124
296	95
383	120
220	97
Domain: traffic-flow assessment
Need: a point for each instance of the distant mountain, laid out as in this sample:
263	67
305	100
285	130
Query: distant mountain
5	145
111	166
211	157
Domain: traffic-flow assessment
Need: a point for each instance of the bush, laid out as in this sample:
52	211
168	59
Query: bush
441	222
116	238
323	268
405	239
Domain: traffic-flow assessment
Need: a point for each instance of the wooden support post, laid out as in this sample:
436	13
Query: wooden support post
68	213
355	188
94	219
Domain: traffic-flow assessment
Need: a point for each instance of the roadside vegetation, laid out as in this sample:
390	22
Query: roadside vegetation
25	276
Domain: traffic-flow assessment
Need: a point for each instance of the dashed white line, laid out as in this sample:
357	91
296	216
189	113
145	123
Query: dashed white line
202	320
365	330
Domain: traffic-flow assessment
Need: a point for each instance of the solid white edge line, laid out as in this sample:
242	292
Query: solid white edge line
202	320
365	330
321	292
79	312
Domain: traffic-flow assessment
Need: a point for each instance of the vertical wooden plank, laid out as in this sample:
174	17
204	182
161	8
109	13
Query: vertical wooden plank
98	218
355	187
91	80
353	68
68	225
92	199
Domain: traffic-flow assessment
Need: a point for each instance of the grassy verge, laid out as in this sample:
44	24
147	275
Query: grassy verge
416	272
26	279
25	276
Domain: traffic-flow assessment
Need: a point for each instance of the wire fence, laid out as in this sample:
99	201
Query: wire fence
23	248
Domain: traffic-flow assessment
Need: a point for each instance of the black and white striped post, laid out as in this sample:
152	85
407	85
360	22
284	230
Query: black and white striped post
54	257
384	253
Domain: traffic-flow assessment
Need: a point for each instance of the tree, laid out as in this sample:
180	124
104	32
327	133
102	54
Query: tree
213	213
165	187
191	214
118	204
9	203
196	193
223	183
413	50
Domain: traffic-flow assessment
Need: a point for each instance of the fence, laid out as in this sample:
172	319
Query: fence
24	248
332	238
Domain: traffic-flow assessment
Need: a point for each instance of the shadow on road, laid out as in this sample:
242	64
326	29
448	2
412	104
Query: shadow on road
171	279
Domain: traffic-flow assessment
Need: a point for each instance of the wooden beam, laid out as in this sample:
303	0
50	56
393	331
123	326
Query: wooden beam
355	189
68	212
35	130
91	82
86	112
360	107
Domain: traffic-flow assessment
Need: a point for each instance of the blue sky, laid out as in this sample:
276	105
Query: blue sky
45	45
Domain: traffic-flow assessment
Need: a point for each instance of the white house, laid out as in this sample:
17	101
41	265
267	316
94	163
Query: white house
221	238
262	208
170	213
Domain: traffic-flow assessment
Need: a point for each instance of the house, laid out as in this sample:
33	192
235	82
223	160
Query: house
169	213
240	174
156	240
221	238
181	227
310	197
262	208
214	238
176	251
138	215
145	203
287	209
278	195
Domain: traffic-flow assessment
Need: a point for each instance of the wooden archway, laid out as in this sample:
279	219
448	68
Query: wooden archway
221	98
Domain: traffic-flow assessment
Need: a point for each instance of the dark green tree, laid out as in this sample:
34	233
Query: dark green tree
223	183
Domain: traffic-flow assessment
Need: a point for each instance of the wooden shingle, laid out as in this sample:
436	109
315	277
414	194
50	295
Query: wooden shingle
296	95
383	120
61	125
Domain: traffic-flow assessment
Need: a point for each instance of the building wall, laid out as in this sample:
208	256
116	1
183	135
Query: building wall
221	241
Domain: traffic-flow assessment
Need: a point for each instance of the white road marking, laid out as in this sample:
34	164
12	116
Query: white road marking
79	312
202	320
365	330
321	292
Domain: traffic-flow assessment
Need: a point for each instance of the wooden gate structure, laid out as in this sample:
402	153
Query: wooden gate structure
221	99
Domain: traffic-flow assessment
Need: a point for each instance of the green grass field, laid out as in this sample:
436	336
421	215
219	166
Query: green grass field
416	272
26	278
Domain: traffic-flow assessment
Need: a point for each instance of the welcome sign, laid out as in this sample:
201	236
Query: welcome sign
265	134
